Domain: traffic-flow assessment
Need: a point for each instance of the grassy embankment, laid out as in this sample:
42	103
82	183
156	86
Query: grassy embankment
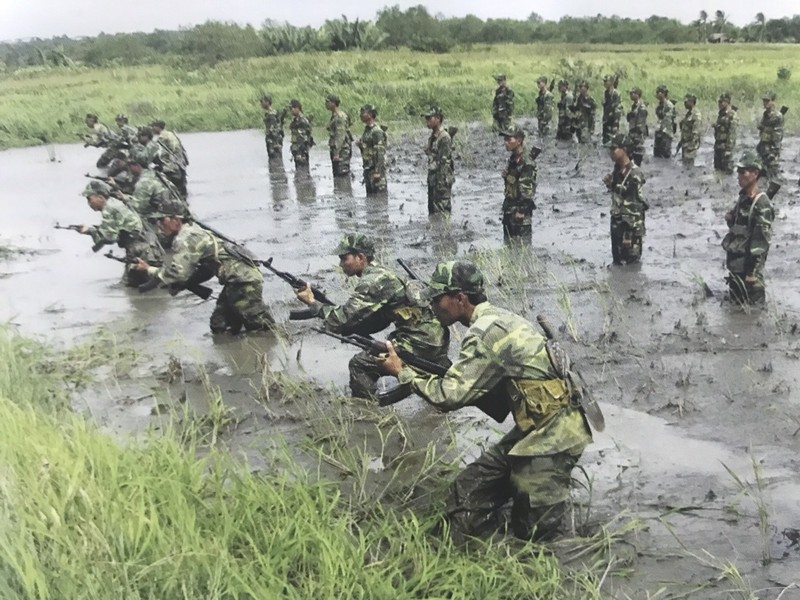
37	105
176	516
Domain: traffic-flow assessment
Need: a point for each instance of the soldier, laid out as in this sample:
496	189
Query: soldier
690	130
506	363
378	300
544	108
519	178
441	173
503	105
302	140
150	188
127	133
637	126
144	145
770	137
612	108
564	131
171	156
373	151
340	140
666	128
628	204
725	135
122	226
200	255
749	233
273	124
98	133
584	112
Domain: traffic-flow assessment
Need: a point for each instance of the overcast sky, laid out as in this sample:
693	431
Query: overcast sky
21	19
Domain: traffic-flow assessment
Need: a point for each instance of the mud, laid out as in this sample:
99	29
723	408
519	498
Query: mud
701	398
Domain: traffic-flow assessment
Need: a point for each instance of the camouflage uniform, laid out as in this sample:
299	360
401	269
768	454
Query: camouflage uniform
373	157
149	193
747	241
565	123
769	140
200	255
519	180
302	140
340	142
637	128
612	111
273	125
544	112
441	171
690	132
584	112
378	301
504	363
128	134
725	137
628	206
665	129
172	158
121	225
98	136
502	106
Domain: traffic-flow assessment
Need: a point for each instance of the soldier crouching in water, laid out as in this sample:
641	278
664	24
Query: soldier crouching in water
519	178
749	233
378	300
628	205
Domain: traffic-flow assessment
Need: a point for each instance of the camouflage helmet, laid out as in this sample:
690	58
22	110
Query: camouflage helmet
513	131
455	276
333	98
725	97
97	188
353	243
541	79
500	77
266	98
563	83
158	124
295	103
663	89
91	116
770	95
144	131
583	83
751	161
121	117
623	141
607	78
371	109
433	111
690	98
636	90
138	156
169	207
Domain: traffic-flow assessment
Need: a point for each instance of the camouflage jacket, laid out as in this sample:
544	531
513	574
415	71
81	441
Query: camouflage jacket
665	113
749	233
170	142
339	136
151	151
544	106
637	123
690	130
302	138
119	224
628	203
99	135
149	192
273	124
725	130
612	106
379	300
195	249
440	157
771	128
520	183
584	112
564	105
501	355
503	105
373	148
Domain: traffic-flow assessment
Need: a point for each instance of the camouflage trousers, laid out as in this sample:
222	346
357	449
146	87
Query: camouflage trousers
771	157
145	246
240	305
662	145
300	154
538	486
626	241
688	154
500	124
341	167
564	130
723	159
584	134
545	130
746	293
440	193
274	145
610	129
364	372
513	226
374	185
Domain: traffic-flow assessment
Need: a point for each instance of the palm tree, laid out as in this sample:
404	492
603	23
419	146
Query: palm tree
761	21
720	18
700	23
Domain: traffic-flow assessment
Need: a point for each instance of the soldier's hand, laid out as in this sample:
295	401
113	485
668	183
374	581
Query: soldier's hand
376	176
141	265
390	364
306	295
519	216
336	158
627	243
750	279
729	218
84	229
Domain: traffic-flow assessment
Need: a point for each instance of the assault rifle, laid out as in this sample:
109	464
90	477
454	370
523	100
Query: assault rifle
96	247
197	289
298	284
407	268
535	152
678	148
784	109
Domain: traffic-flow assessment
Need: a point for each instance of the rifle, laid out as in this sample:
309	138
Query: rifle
298	284
407	268
586	402
197	289
552	84
784	109
616	80
535	152
70	227
452	131
678	148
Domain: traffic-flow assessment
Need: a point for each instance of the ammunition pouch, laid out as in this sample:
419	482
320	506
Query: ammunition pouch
536	403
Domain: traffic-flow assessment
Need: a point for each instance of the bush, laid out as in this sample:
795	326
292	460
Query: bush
784	73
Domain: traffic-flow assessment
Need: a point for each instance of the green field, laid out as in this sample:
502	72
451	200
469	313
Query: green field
48	104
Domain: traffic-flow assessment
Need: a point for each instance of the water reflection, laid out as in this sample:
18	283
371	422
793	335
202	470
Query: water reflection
304	186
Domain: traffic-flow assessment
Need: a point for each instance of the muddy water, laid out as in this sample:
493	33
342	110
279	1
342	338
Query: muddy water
693	388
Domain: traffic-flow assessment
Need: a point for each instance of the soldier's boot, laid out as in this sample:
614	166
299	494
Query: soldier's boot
364	375
637	158
536	523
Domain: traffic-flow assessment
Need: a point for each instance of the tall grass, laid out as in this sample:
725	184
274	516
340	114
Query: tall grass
38	105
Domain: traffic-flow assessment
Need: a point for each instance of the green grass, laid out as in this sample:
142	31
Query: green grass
39	104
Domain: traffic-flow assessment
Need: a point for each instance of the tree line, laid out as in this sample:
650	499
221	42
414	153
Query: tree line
413	28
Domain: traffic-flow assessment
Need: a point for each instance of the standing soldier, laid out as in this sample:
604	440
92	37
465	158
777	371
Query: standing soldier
302	140
749	233
373	150
519	178
690	130
612	108
666	128
637	126
441	173
564	131
628	205
725	135
503	105
544	108
770	137
273	125
378	300
340	140
584	113
199	255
